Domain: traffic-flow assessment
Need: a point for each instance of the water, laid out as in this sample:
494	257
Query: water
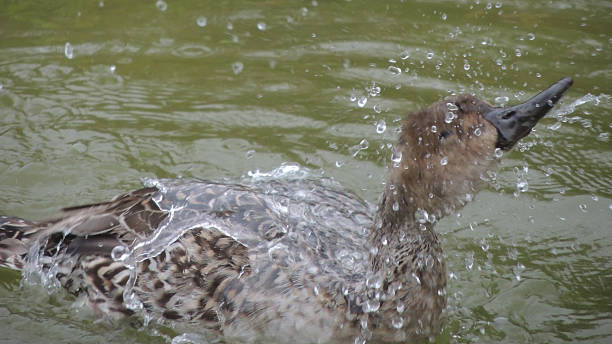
94	97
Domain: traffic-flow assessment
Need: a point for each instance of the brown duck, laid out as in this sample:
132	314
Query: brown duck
291	260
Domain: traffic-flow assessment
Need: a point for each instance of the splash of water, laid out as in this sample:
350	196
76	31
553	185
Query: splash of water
287	170
571	108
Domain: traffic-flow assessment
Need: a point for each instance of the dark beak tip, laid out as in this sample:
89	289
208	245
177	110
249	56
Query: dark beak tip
565	83
552	94
516	122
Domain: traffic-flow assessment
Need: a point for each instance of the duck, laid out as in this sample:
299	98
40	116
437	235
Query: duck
300	259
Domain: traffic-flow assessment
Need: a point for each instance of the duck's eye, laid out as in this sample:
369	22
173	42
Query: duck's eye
444	134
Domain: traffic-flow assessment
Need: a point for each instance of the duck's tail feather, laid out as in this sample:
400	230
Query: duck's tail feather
14	238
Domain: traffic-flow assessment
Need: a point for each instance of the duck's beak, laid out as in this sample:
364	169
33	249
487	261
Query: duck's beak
516	122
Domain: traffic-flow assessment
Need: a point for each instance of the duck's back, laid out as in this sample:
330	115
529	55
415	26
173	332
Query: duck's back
268	258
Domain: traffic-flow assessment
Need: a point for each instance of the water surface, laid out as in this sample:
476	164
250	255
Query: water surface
95	96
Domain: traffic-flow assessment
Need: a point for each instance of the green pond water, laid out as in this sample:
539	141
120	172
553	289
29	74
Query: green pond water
95	95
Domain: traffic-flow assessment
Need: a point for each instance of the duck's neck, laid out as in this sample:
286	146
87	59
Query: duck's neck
406	257
403	239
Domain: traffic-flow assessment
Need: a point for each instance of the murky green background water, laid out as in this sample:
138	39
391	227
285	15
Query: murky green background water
96	95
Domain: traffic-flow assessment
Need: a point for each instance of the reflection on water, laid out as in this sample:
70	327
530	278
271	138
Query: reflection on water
96	96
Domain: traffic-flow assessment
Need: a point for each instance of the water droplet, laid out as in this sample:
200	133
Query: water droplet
339	163
484	245
364	144
396	158
555	126
68	51
429	55
394	70
131	301
522	185
550	103
161	5
502	100
374	91
345	290
397	322
517	271
361	102
112	68
466	66
230	26
371	306
250	153
469	261
444	16
400	307
421	215
583	208
434	129
237	67
262	26
498	153
603	137
395	206
518	52
316	290
405	55
374	281
468	197
444	161
477	132
452	107
381	126
531	36
449	117
432	217
79	147
201	21
120	253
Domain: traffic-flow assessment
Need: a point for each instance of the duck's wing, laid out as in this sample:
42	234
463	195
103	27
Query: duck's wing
95	229
127	216
91	229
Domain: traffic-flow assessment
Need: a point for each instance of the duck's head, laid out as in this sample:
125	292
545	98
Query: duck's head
446	150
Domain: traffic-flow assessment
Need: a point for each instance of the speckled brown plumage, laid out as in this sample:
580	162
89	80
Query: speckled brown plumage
287	259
